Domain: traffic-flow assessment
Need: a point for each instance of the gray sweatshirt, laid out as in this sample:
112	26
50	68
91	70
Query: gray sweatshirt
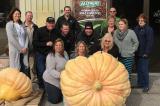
128	45
54	65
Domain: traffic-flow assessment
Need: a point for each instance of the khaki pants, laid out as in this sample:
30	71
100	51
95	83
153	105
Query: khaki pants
32	68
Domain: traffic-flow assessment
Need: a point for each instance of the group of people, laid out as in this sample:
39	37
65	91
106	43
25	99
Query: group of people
48	48
134	45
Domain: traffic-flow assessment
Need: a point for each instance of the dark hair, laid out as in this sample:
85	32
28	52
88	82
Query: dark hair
67	7
142	16
65	23
10	16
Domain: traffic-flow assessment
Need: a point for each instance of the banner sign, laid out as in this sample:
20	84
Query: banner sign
89	9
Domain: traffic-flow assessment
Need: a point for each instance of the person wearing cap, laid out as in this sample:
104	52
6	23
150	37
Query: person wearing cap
73	24
43	42
89	36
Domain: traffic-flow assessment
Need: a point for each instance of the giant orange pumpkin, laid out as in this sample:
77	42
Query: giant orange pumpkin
100	80
14	84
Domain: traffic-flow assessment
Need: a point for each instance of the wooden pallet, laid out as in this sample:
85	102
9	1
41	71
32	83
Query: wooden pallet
33	100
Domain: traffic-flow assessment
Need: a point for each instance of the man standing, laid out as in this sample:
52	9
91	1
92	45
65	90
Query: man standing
113	13
67	37
43	44
90	38
73	24
31	28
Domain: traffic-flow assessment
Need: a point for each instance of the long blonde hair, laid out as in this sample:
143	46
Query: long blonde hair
77	45
107	35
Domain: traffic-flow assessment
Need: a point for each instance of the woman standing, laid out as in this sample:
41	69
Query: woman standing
145	37
17	42
127	43
80	50
111	27
108	46
55	63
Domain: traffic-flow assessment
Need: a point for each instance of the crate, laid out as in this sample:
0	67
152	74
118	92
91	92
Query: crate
4	62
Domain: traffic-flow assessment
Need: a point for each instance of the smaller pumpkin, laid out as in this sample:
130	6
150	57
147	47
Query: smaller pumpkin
14	84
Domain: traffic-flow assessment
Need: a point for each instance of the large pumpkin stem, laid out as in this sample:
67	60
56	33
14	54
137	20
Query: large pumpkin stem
97	86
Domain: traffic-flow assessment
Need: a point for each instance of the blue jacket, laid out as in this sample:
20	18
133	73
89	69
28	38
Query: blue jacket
146	38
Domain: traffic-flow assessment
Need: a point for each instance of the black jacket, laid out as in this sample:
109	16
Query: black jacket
42	36
92	42
114	51
145	36
73	24
69	42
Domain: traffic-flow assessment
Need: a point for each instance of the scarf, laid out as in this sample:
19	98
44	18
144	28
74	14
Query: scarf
121	35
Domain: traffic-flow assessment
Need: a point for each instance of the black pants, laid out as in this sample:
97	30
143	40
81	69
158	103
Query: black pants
54	93
24	68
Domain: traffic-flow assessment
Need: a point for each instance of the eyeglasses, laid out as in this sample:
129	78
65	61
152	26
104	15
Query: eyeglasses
141	20
112	11
107	41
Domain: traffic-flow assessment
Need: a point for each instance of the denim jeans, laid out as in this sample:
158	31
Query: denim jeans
54	94
143	72
40	68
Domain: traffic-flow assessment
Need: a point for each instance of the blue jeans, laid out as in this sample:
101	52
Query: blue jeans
143	72
40	68
54	93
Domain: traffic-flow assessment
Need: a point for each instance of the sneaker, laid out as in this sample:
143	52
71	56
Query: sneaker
145	90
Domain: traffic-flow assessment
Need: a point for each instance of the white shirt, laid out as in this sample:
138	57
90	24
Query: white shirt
21	34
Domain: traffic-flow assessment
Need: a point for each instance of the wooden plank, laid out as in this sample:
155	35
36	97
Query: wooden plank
56	8
22	7
62	5
34	10
69	3
33	5
39	6
51	5
4	62
33	100
41	18
45	5
28	5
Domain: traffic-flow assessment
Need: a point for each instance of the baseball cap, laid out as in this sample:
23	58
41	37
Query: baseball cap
50	20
